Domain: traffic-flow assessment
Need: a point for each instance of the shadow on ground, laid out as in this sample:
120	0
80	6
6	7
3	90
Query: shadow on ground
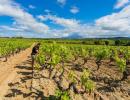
16	88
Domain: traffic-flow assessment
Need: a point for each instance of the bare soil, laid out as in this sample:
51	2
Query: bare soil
16	81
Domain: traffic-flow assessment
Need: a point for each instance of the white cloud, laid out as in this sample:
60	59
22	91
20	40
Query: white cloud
42	18
74	10
119	22
83	30
8	28
113	25
116	24
67	23
21	17
121	3
61	2
31	7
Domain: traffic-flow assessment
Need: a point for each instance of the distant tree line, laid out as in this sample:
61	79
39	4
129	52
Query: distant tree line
112	42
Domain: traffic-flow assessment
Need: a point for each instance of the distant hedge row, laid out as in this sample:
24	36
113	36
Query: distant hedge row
116	42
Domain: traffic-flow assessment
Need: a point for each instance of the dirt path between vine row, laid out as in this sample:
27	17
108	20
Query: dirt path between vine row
8	70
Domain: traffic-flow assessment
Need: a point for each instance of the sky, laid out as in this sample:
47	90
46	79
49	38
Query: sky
64	18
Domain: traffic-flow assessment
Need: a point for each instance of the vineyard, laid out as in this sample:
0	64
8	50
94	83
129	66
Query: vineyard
69	67
11	47
70	72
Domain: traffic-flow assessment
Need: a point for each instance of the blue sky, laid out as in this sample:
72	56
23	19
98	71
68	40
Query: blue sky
89	9
62	18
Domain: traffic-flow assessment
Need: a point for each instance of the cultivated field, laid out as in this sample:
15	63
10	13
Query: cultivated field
64	70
